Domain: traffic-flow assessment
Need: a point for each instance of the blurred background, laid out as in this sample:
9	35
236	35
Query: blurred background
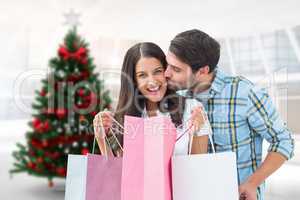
259	40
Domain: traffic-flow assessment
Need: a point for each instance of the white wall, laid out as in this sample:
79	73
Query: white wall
31	31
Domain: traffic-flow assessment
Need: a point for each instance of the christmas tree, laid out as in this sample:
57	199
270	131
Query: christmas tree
64	108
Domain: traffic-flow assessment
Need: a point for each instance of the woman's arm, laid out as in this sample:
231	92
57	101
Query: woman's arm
102	123
104	148
200	129
200	144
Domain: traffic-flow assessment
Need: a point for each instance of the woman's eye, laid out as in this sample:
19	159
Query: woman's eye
159	71
141	75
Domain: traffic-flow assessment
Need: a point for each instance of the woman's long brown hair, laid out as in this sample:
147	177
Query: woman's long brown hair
131	101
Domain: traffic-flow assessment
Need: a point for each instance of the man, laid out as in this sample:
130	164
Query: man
241	115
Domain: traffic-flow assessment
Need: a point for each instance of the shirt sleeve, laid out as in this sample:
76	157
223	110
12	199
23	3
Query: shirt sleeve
264	119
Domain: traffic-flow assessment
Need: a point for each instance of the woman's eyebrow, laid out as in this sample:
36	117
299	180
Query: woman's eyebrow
159	67
138	72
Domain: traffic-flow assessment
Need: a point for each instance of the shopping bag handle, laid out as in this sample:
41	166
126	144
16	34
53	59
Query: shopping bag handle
191	138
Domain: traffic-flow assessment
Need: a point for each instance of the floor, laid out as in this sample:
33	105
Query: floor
283	185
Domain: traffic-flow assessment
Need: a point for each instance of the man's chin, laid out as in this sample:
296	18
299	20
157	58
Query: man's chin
174	86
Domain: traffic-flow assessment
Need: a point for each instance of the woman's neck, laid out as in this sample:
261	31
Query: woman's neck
151	108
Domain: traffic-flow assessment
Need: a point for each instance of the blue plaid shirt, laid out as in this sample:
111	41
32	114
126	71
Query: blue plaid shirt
241	116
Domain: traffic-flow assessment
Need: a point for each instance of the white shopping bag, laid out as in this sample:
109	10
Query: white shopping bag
205	176
76	177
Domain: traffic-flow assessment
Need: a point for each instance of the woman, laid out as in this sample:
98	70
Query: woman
144	93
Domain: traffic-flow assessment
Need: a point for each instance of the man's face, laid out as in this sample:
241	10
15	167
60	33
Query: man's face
179	75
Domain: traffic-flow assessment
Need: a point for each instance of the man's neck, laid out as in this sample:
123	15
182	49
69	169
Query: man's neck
204	84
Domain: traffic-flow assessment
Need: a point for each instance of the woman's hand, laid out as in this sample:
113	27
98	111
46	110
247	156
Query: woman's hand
198	119
102	123
99	127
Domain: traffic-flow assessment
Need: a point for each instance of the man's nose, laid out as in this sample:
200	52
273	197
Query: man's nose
167	72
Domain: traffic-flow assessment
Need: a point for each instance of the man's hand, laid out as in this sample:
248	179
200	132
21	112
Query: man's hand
271	163
247	191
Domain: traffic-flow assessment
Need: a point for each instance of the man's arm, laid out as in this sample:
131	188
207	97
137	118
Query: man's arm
264	119
272	162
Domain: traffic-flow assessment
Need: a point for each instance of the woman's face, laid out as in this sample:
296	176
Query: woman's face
150	79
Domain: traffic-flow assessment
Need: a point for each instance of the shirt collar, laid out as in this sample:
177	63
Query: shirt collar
219	82
217	86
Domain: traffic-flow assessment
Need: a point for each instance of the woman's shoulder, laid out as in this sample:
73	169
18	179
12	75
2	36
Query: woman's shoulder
191	103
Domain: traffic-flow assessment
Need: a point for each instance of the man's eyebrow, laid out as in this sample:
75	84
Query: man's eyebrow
174	66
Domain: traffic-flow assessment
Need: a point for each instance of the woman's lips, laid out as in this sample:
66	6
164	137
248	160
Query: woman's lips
154	90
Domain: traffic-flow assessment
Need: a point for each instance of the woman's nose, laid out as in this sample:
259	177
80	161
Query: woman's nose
151	83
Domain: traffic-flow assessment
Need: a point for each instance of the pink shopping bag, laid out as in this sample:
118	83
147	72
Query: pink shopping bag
148	148
103	177
93	177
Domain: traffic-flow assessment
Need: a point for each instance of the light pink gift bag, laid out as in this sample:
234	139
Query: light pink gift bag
103	180
148	148
104	173
93	177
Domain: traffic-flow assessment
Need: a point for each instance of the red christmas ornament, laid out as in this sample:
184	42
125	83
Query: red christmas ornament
31	165
33	143
81	92
55	155
84	74
81	105
92	97
46	126
61	171
61	113
31	153
39	160
73	78
36	122
43	92
84	151
94	113
45	143
40	126
84	61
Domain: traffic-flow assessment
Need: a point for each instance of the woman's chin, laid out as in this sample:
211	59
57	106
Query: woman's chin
154	98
